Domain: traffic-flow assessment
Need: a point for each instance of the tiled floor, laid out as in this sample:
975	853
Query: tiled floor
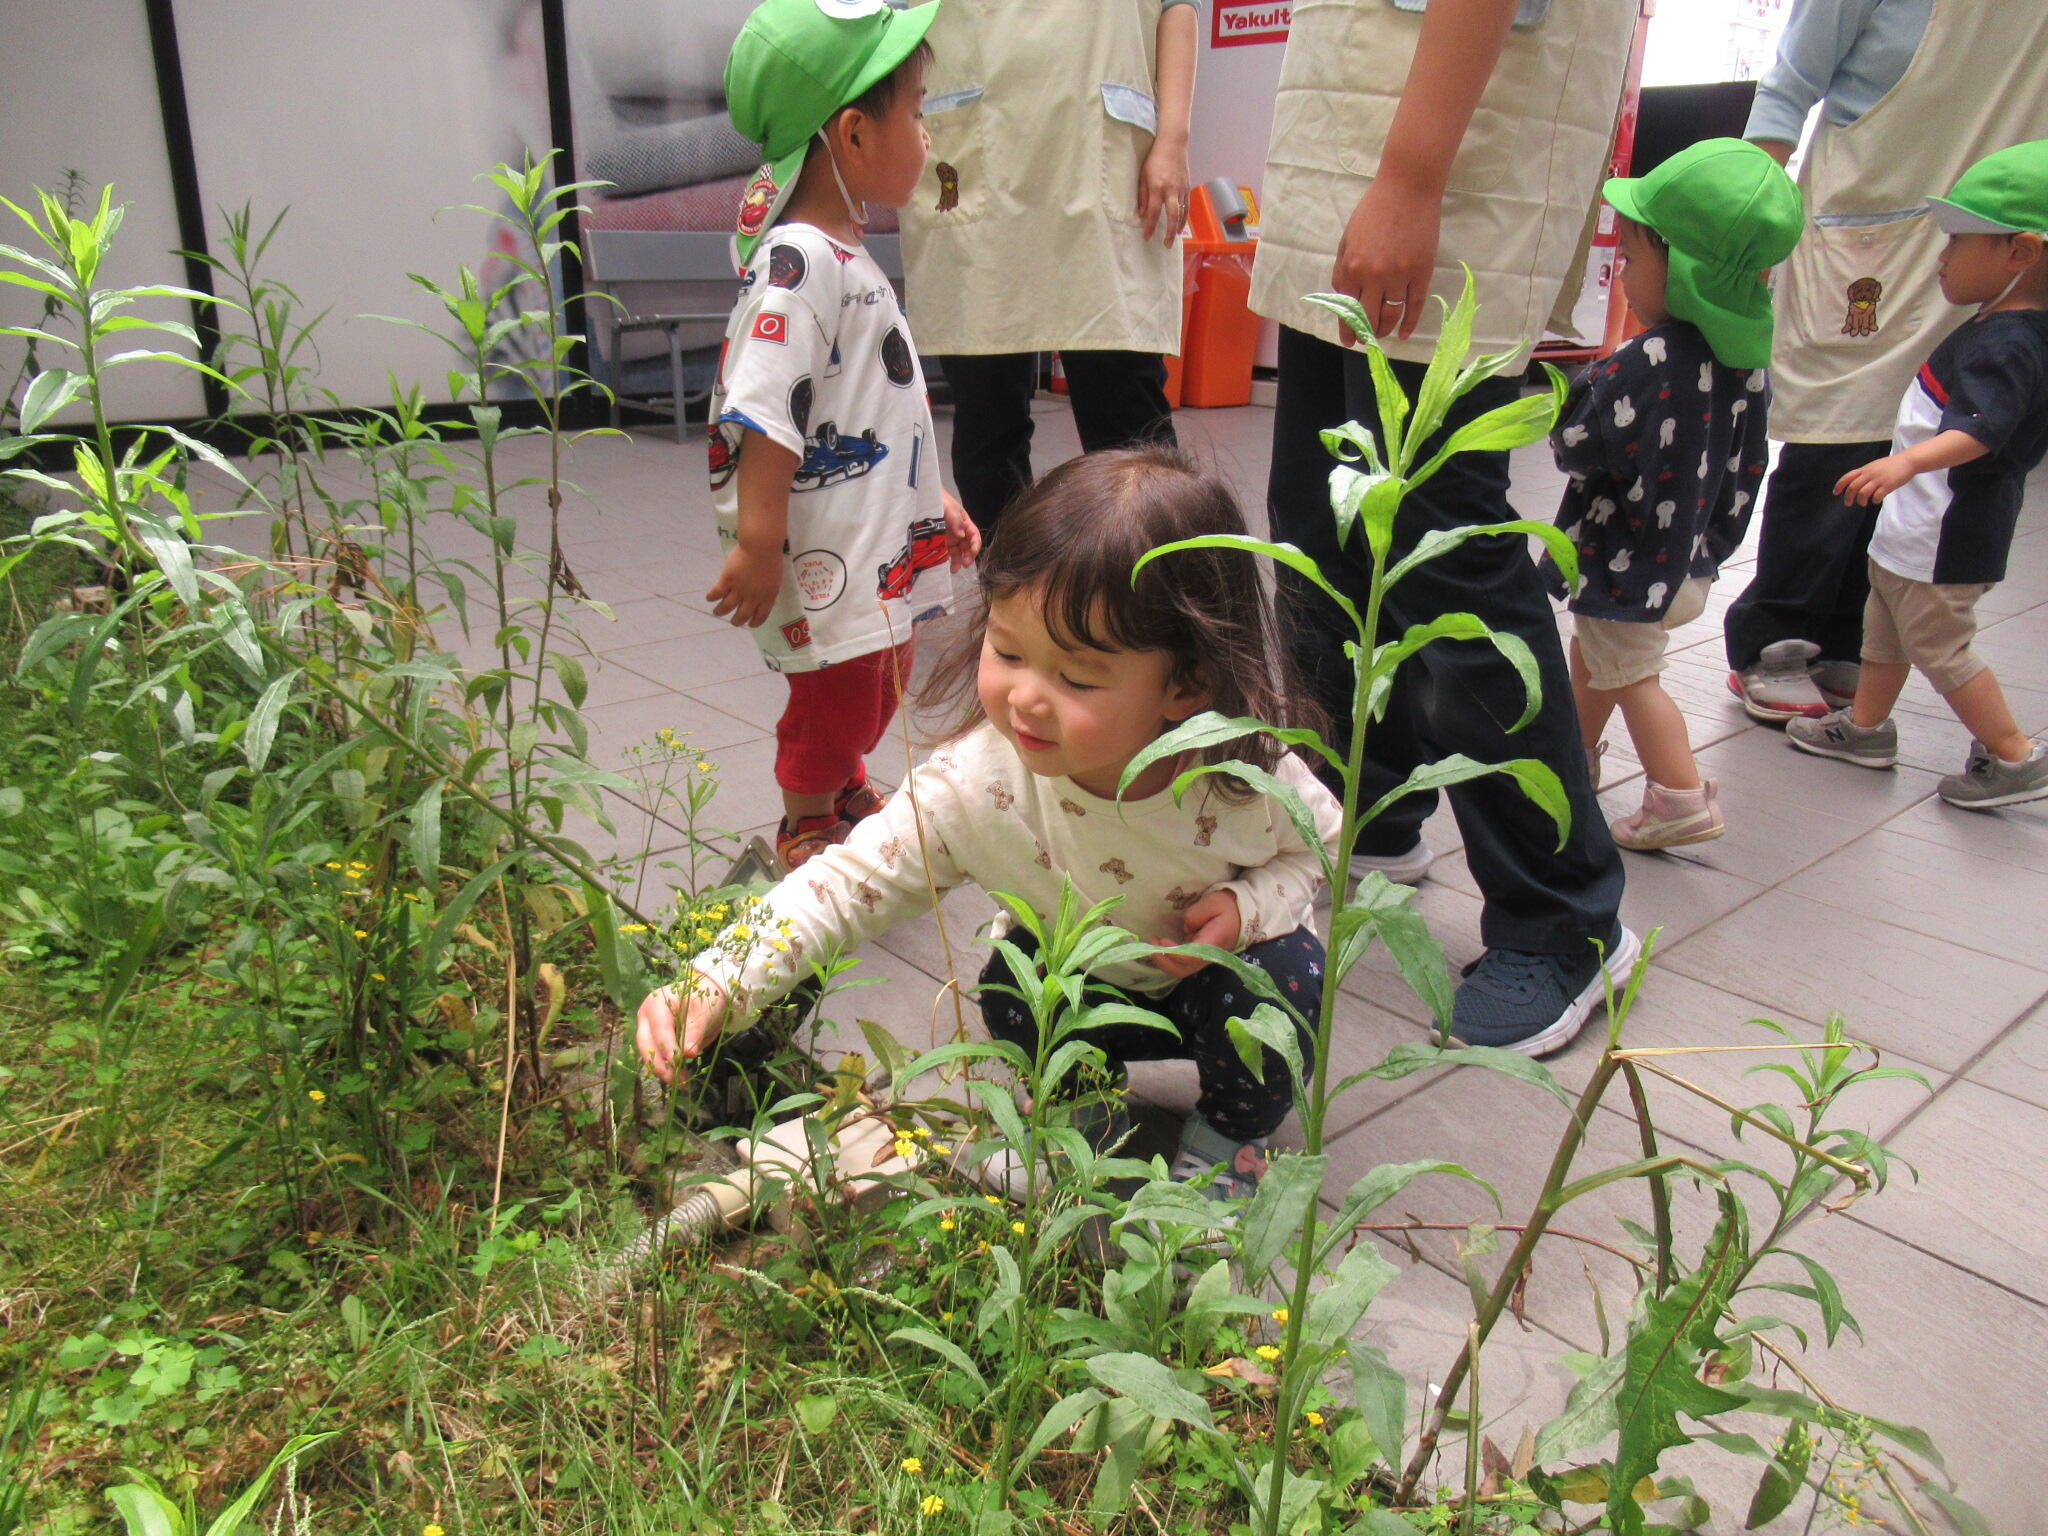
1835	890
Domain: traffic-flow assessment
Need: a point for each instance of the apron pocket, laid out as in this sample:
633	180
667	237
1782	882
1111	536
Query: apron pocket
1131	119
954	188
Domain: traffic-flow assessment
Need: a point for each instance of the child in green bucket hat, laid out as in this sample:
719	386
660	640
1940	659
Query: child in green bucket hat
1972	425
838	537
1664	447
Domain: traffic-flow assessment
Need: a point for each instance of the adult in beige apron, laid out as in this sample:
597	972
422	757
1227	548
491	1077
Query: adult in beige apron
1858	311
1052	122
1513	207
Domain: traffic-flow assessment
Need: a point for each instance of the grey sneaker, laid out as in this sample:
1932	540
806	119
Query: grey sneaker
1779	687
1238	1165
1535	1003
1837	681
1989	781
1836	735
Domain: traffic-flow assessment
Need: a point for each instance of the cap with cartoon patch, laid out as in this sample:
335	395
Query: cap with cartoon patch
2005	193
794	64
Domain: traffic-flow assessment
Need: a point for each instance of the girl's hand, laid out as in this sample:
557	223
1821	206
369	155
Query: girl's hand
961	534
1874	481
1163	191
1213	920
703	1016
746	586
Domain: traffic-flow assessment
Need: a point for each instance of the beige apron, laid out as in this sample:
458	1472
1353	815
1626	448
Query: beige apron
1024	233
1858	305
1527	171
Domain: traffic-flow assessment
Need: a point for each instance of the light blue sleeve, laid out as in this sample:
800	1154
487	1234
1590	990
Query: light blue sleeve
1847	53
1167	5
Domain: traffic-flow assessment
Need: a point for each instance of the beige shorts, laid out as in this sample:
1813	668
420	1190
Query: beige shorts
1918	623
1617	654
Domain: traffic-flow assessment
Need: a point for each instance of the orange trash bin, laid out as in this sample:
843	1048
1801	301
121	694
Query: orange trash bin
1219	332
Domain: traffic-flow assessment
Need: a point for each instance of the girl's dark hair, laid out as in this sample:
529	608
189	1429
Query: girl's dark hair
1074	537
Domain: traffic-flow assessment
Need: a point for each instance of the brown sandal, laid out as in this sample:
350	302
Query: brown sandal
811	836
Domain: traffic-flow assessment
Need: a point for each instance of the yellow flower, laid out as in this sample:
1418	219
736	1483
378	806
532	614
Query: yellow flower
632	927
433	1530
1019	1228
945	1317
782	946
947	1223
931	1504
991	1199
376	975
1267	1352
912	1465
982	1246
362	933
1315	1420
333	864
905	1147
704	934
410	897
316	1095
1280	1314
742	931
703	765
941	1148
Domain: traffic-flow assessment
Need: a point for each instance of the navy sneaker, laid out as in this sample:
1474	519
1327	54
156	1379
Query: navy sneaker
1536	1004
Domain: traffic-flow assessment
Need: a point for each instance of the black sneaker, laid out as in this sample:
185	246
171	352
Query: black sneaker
1536	1004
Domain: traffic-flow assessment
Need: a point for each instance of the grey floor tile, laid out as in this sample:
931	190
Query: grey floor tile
1901	990
1932	888
1981	1169
694	660
1942	1350
1756	767
617	729
2018	1063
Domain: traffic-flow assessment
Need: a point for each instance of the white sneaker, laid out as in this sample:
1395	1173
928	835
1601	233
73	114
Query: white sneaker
1779	687
1401	868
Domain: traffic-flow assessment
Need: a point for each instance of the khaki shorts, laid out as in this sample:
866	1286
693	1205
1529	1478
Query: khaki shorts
1918	623
1617	654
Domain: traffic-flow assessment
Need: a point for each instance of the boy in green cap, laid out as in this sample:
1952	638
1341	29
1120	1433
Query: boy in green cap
1972	425
1664	446
838	536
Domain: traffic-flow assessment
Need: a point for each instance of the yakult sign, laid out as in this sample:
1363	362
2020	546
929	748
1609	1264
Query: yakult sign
1238	22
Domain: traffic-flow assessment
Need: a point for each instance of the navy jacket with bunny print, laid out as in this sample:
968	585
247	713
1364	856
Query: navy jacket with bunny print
1664	449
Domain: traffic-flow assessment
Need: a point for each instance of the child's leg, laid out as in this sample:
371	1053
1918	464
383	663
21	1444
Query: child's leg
1243	1107
1878	686
1980	704
889	680
1656	728
814	751
1595	705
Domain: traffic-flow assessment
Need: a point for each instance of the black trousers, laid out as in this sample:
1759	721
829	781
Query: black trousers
1454	695
1810	581
1119	400
1241	1105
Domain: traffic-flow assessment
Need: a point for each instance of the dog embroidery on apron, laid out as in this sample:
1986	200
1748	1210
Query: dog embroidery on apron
1861	319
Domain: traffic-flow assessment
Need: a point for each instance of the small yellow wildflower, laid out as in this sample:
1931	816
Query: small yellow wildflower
362	933
1280	1314
945	1317
333	864
703	765
1267	1352
316	1095
982	1246
632	927
742	931
376	975
931	1504
782	946
704	934
433	1530
920	1133
912	1465
947	1223
1315	1420
942	1149
991	1199
905	1148
409	896
1019	1228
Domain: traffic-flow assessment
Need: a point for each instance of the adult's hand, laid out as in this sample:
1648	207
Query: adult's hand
1387	252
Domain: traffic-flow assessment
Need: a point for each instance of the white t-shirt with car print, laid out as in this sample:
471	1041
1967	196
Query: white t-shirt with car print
818	358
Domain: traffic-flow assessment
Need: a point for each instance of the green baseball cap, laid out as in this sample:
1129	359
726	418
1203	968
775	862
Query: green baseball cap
794	64
2005	193
1727	210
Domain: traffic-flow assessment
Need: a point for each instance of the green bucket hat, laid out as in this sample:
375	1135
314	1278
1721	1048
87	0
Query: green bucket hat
2005	193
1727	210
794	64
